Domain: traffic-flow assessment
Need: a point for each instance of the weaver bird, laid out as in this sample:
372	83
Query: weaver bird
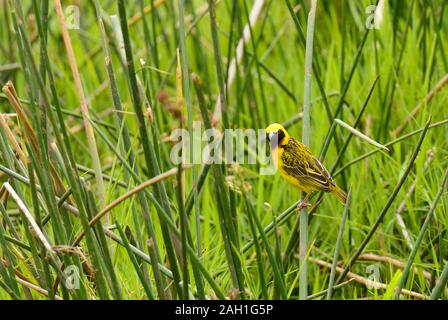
299	167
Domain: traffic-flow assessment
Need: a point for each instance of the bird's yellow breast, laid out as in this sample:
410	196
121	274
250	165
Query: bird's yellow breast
296	182
277	158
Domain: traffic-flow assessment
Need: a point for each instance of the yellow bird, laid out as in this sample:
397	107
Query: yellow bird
299	167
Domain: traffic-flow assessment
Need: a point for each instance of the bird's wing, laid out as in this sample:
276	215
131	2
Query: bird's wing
306	168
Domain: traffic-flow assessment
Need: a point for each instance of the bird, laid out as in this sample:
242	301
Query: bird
298	166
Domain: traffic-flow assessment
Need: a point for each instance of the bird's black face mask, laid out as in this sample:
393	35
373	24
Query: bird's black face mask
276	138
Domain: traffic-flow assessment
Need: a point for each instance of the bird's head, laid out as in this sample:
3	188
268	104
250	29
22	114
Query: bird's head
277	135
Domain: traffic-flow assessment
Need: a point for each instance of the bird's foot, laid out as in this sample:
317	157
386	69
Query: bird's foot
303	204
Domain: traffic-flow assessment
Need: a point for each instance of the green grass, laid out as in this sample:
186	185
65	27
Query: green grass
221	231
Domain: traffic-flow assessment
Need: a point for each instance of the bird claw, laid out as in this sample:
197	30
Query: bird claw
303	204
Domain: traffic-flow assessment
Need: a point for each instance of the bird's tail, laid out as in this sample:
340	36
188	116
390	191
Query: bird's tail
340	194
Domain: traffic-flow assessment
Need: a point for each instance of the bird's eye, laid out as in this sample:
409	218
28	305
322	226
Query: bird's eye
281	135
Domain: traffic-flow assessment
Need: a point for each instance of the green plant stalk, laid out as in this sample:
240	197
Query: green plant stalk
41	155
92	146
8	158
255	57
183	233
227	227
419	239
218	63
104	250
163	214
149	153
331	132
355	124
282	218
167	219
7	272
387	206
186	92
62	140
195	260
146	284
359	134
41	268
338	246
315	63
275	268
156	270
25	51
393	78
441	284
263	285
127	143
390	143
303	246
141	195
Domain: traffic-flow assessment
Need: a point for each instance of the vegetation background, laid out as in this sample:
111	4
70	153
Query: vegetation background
91	207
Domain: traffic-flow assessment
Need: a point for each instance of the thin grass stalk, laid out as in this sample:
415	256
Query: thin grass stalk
278	243
420	236
7	272
359	134
255	57
331	132
136	189
93	149
338	246
43	169
324	292
183	232
36	231
222	201
233	64
10	291
159	280
123	197
387	205
199	54
134	172
181	177
218	64
146	284
259	255
40	265
38	149
280	284
390	143
303	246
386	114
186	95
149	153
195	260
8	158
441	284
105	252
281	218
63	141
355	124
315	63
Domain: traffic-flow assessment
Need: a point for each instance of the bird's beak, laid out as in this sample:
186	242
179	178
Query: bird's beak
273	139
